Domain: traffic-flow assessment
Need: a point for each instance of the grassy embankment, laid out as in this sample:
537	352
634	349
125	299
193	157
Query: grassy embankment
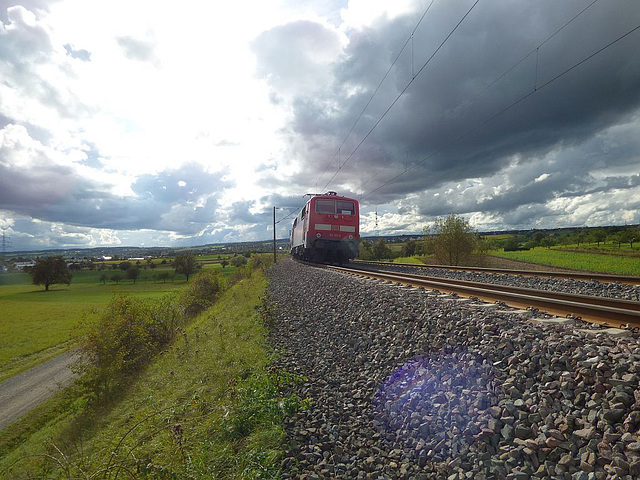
36	325
208	407
415	259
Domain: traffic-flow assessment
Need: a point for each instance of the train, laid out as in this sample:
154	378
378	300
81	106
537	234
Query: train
327	229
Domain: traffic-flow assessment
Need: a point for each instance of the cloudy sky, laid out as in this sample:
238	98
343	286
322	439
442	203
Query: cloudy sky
156	123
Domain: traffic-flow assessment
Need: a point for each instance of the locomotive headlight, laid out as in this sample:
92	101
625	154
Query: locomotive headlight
318	235
350	237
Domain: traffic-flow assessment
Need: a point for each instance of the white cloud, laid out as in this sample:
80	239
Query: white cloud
153	122
542	177
363	13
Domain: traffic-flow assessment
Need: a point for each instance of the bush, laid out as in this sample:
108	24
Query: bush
131	331
238	261
120	344
201	293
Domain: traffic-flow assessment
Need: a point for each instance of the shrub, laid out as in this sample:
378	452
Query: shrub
238	261
201	293
120	344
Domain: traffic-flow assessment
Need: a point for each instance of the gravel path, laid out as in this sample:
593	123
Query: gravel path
408	384
27	390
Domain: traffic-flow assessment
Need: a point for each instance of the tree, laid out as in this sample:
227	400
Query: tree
454	239
484	246
124	266
103	278
164	276
409	248
186	263
380	250
224	263
548	242
598	235
238	261
116	277
50	270
628	236
133	274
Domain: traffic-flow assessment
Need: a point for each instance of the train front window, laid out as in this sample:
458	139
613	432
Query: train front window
325	205
345	208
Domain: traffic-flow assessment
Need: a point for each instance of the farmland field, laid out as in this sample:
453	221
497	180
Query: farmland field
618	264
36	325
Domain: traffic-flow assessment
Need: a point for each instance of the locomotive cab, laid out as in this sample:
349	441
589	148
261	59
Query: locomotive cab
327	229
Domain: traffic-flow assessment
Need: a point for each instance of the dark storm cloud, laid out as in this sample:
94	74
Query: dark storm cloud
439	132
182	200
241	212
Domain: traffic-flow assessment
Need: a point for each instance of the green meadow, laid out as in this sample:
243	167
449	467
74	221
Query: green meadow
36	325
211	405
594	262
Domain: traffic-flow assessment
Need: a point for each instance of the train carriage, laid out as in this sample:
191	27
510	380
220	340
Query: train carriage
327	229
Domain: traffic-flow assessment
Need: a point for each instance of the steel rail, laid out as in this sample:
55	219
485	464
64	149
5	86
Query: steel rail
603	277
596	309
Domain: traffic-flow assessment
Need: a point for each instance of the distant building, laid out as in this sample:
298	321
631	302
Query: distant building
23	265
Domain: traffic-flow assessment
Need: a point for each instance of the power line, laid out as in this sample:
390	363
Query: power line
403	91
509	107
410	39
291	213
536	50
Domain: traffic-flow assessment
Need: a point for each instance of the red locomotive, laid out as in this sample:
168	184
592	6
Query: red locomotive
327	229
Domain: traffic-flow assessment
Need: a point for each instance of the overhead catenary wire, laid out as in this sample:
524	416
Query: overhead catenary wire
289	215
414	75
402	92
410	39
509	107
536	50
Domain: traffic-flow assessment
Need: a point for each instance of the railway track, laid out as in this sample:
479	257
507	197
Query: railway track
606	311
601	277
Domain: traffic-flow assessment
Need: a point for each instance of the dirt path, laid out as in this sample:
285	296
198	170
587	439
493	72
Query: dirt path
27	390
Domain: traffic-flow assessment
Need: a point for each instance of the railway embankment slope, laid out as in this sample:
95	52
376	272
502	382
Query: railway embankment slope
410	384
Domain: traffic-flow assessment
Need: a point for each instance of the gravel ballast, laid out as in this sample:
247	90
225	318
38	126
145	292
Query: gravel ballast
406	383
583	287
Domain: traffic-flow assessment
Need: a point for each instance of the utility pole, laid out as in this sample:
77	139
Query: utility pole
6	242
274	235
376	220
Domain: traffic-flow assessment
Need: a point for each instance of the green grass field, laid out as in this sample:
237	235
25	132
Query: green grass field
413	259
35	324
618	264
209	407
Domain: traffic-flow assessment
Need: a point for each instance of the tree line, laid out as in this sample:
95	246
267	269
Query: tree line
452	240
55	270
